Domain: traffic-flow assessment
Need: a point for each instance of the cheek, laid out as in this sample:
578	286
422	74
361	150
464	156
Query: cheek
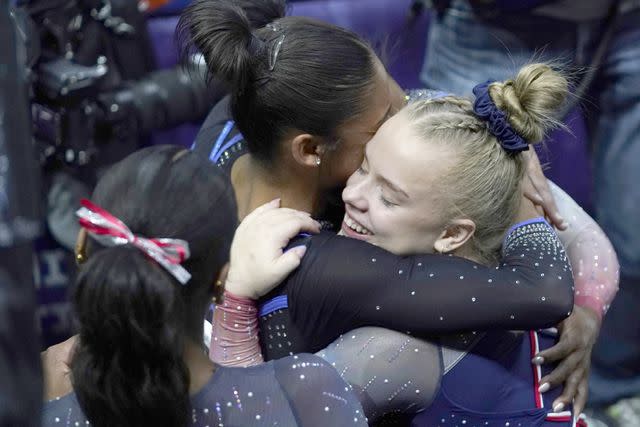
345	161
392	231
388	223
400	232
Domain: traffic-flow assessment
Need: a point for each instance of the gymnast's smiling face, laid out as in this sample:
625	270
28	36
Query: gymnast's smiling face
397	197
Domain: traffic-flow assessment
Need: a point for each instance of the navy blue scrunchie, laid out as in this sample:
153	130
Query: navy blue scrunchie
499	126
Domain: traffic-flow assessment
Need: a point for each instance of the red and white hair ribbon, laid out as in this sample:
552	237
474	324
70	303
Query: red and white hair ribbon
110	231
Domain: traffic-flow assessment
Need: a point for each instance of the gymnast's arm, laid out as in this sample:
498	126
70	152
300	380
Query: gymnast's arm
389	371
344	283
592	257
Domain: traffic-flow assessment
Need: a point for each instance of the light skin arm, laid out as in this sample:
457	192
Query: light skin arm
595	268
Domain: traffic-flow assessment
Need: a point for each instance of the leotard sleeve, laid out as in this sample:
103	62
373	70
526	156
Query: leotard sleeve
389	371
344	283
594	261
316	393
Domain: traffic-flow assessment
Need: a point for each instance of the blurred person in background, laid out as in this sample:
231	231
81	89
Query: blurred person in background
470	40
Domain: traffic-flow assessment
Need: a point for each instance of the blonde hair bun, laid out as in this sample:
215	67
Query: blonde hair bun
532	100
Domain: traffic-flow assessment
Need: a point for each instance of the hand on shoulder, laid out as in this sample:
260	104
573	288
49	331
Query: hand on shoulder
258	260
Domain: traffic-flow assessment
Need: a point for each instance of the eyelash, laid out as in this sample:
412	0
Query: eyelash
386	203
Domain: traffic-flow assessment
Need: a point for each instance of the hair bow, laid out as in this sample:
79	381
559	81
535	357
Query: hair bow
110	231
499	126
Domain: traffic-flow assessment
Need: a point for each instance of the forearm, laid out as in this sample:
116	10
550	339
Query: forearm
409	369
344	283
234	338
591	255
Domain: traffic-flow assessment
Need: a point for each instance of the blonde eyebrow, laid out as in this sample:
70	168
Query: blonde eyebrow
393	187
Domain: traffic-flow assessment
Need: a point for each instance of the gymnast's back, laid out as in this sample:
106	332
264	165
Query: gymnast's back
281	392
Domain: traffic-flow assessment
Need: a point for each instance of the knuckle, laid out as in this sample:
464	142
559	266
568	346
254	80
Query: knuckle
573	381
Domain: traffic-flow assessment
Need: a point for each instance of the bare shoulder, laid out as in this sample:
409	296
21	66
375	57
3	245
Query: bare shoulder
56	369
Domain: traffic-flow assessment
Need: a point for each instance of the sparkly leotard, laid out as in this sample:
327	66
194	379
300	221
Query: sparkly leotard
344	283
303	390
283	338
477	379
393	372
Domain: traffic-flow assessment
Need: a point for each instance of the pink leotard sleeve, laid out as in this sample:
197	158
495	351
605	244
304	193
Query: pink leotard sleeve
591	255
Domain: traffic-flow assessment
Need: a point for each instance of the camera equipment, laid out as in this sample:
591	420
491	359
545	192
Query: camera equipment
95	93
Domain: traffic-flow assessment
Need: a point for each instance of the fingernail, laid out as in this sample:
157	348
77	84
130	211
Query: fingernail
300	250
544	388
558	407
538	198
564	224
538	360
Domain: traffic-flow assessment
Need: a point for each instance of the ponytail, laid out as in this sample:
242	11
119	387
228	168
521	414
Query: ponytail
222	30
262	12
128	369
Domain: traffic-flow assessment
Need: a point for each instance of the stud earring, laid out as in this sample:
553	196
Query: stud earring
318	161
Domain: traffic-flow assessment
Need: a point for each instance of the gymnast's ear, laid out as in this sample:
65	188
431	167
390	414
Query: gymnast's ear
454	236
307	149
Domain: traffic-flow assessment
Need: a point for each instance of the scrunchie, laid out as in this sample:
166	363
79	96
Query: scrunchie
499	126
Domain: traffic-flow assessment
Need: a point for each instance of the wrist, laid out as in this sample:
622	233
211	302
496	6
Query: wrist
231	298
238	288
592	305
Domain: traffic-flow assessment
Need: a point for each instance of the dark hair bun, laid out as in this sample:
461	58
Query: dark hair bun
262	12
220	30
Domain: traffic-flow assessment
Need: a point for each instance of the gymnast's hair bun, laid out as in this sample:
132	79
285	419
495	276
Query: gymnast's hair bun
223	29
532	100
262	12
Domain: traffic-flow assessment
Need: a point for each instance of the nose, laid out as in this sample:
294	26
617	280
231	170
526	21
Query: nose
355	193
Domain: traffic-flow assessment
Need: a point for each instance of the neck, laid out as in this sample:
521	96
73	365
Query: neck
256	185
472	255
198	363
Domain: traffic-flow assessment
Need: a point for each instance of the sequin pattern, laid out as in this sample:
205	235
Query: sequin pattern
391	372
234	337
594	261
299	390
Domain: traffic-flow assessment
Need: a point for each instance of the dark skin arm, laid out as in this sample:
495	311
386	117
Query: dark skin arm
572	353
536	188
